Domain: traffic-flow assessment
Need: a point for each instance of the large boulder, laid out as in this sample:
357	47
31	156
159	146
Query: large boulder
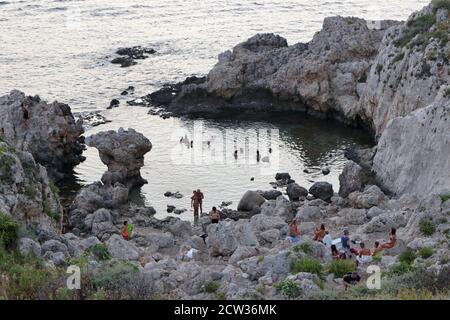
29	246
250	200
224	237
122	249
413	151
322	190
371	196
351	179
123	152
295	192
51	133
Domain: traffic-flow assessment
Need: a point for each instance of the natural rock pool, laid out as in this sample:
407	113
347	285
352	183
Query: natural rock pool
298	143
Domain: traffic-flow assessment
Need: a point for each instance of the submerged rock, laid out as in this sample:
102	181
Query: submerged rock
123	152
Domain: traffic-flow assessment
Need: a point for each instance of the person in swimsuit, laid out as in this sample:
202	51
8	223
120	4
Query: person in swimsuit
377	249
319	233
200	200
195	203
392	240
214	215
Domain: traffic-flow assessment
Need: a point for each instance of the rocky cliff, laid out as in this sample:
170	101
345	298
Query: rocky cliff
414	151
51	133
27	195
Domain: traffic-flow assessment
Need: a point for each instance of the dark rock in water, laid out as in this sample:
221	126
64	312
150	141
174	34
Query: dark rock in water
93	119
295	192
169	92
322	190
128	55
137	52
225	204
170	208
306	171
326	171
124	62
179	211
176	195
114	103
270	195
137	102
129	90
282	176
252	179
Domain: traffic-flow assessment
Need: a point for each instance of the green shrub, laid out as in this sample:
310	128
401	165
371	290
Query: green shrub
114	275
426	227
440	4
46	208
377	257
30	191
211	287
399	58
445	196
425	253
415	27
306	264
100	250
260	259
379	68
54	188
399	269
341	267
304	247
408	256
288	289
8	230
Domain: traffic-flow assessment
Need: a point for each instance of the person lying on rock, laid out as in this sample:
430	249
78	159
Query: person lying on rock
392	240
363	255
214	215
351	279
294	234
319	233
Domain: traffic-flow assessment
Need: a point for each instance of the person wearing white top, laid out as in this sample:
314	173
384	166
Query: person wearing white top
327	239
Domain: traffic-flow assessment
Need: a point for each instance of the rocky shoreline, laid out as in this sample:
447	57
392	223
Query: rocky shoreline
247	255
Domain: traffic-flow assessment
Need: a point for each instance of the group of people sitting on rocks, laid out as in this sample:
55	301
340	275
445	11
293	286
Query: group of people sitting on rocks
362	254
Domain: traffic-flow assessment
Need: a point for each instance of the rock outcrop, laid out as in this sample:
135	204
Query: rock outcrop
51	133
414	151
123	152
26	193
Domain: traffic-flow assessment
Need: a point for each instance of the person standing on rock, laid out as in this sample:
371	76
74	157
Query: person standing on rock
195	203
200	200
25	115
